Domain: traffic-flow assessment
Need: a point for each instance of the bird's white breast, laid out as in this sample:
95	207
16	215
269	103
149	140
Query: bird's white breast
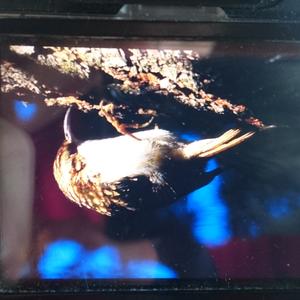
115	158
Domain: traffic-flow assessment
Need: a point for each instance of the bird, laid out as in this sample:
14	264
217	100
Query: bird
149	170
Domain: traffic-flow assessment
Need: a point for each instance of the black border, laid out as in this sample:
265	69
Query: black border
99	28
166	286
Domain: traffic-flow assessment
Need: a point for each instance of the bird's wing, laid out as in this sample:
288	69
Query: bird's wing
210	147
95	195
142	193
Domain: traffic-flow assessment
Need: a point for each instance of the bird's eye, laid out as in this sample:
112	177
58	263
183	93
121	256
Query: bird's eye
72	148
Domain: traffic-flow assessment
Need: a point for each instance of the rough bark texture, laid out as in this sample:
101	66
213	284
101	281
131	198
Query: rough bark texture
72	72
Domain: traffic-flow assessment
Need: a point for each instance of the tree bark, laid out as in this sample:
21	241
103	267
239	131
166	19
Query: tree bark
72	72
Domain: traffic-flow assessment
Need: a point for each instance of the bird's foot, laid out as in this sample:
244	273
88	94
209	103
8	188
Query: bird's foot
108	112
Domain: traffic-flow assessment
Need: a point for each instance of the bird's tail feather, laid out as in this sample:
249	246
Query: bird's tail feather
210	147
